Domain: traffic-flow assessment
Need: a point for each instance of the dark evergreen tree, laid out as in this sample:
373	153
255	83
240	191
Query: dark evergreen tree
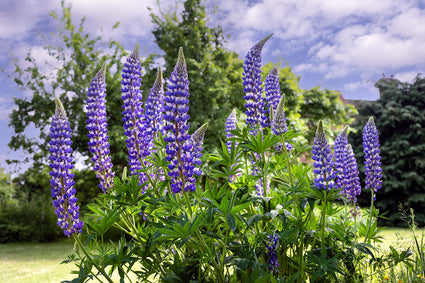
400	118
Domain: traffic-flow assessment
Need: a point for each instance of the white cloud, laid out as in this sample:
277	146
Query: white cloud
17	17
5	111
354	85
352	37
408	77
133	15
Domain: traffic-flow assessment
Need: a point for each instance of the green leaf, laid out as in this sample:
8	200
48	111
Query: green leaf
231	222
238	208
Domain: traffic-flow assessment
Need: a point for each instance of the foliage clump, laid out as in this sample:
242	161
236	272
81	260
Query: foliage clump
400	120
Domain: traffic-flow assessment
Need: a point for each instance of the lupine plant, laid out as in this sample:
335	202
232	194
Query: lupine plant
98	130
134	124
63	191
256	110
179	223
272	89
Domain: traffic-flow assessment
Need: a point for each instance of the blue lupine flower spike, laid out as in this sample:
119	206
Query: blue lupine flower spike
175	128
256	110
372	161
272	88
98	130
197	141
62	183
154	109
230	126
323	161
351	175
134	129
341	143
272	252
279	125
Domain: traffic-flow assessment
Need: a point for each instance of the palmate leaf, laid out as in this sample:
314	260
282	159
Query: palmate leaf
182	229
261	143
102	219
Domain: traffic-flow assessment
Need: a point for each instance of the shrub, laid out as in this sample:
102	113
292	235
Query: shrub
26	220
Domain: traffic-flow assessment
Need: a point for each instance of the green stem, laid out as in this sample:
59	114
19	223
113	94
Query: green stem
322	220
366	239
216	267
186	198
101	269
287	160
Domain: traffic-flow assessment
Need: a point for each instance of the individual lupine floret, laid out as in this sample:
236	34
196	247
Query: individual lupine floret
351	175
341	143
154	109
176	129
197	140
98	132
373	170
134	129
63	191
230	126
323	162
272	89
256	111
272	251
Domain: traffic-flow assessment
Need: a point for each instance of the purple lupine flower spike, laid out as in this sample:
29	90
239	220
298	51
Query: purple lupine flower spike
256	111
323	162
341	143
272	251
98	132
154	108
372	161
133	113
197	141
230	126
272	89
279	125
176	127
351	175
63	191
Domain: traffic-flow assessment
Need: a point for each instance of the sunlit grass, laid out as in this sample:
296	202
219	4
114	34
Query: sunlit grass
32	263
38	262
399	238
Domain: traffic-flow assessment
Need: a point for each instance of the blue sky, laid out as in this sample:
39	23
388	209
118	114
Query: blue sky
341	45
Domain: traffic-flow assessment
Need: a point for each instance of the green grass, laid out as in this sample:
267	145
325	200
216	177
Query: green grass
33	263
38	262
399	237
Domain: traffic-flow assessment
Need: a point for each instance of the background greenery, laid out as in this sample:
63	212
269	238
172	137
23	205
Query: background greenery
400	118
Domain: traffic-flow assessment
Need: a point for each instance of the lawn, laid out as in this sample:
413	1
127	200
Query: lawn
33	263
399	238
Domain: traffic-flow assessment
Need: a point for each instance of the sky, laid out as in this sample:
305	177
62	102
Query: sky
341	45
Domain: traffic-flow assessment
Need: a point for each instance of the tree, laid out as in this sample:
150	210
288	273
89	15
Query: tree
70	82
400	120
7	189
215	74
